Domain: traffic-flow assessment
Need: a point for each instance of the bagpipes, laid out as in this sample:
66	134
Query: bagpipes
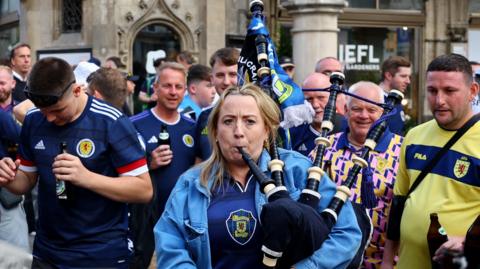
294	230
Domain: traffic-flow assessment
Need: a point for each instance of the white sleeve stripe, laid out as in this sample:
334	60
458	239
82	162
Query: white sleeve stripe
103	113
31	110
136	171
106	107
28	168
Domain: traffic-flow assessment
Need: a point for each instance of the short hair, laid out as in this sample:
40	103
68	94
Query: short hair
7	69
117	61
392	63
269	111
368	84
17	46
228	56
317	65
50	76
197	73
452	63
170	65
186	56
111	84
159	61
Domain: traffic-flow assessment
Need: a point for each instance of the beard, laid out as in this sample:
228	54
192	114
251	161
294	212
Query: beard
4	96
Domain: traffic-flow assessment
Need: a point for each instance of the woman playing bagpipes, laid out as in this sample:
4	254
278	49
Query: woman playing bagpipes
212	218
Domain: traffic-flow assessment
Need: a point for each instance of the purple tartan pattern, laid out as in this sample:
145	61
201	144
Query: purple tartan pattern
384	166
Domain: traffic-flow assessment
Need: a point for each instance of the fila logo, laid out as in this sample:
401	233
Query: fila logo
420	156
40	145
302	147
153	139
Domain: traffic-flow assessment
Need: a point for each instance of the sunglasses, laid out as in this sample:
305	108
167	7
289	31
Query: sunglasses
45	100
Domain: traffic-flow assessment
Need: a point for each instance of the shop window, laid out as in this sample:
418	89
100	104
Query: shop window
8	6
387	4
474	6
362	3
9	30
362	51
284	46
72	16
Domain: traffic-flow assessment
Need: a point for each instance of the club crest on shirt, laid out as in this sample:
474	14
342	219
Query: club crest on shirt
241	226
85	148
188	140
381	164
461	167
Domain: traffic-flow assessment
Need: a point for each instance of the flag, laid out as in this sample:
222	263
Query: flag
295	110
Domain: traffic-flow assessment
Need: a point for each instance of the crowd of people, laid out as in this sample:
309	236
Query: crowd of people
100	185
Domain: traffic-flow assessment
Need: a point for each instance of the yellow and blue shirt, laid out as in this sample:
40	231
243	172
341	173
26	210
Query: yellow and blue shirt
451	189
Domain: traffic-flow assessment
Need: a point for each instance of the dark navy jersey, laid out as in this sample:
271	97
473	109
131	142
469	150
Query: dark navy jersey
203	149
182	144
303	136
88	229
234	228
9	135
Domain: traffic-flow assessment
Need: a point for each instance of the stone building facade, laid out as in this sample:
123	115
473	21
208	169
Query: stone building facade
360	32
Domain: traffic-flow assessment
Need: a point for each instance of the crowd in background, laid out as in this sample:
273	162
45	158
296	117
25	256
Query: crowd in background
134	138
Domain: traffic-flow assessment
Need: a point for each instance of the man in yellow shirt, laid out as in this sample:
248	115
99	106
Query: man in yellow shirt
452	187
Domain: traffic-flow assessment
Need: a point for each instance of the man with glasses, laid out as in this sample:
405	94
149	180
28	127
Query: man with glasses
101	162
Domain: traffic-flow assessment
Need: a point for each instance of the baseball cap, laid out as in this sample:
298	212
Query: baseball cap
286	61
130	77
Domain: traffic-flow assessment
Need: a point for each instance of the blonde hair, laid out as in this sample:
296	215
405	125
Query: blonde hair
215	165
170	65
7	69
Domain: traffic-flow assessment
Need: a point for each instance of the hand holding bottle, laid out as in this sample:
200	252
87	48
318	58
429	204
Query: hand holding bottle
69	168
453	245
161	156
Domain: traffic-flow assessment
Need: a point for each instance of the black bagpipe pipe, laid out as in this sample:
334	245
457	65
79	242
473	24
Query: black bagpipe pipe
373	136
293	230
310	194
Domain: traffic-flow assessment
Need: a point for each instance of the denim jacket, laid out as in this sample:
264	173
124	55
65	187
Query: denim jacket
181	235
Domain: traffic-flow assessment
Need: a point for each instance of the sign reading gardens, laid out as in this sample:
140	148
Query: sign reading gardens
358	57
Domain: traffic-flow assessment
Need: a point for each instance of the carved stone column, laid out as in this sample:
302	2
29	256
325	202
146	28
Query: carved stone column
458	26
314	32
215	28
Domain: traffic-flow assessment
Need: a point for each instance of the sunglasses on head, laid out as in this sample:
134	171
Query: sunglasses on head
45	100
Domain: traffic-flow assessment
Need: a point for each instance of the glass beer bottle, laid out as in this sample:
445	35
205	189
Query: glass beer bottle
436	236
163	136
61	186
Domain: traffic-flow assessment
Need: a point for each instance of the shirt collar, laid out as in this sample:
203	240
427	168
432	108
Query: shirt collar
9	108
18	76
381	146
